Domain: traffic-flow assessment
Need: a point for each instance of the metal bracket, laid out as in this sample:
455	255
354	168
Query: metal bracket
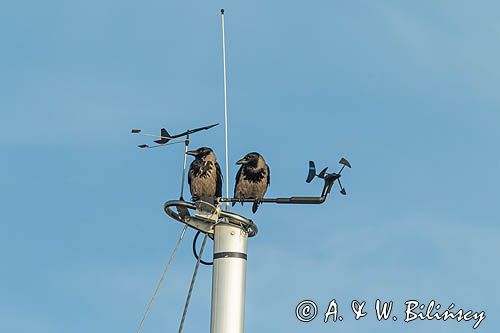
206	216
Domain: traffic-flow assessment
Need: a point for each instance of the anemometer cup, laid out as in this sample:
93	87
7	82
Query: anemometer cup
345	162
206	216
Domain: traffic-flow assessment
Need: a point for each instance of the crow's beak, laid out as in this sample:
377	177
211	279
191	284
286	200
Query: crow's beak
192	152
242	161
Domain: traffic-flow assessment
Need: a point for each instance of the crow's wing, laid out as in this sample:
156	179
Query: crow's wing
268	175
218	182
238	176
193	167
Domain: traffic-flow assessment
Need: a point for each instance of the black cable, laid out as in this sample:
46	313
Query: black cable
196	254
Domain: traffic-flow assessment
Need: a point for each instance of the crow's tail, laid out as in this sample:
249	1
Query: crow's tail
255	206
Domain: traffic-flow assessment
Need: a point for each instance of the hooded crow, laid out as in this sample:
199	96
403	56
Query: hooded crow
204	175
252	179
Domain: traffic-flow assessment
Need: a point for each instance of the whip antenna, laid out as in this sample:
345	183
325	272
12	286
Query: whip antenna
225	104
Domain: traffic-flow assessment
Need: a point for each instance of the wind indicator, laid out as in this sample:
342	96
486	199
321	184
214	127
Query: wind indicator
165	137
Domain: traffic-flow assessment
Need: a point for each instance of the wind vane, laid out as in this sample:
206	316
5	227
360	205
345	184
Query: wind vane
165	137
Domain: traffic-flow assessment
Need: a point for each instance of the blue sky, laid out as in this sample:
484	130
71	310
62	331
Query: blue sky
408	92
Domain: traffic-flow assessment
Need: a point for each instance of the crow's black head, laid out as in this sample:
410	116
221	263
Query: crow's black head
250	159
200	152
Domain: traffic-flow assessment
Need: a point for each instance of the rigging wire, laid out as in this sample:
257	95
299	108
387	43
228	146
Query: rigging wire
181	326
161	279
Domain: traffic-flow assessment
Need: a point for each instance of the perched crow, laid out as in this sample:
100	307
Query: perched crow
252	179
204	176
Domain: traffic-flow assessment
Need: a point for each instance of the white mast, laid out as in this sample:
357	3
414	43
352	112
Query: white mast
229	279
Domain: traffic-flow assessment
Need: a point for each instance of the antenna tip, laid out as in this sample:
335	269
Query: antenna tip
222	11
